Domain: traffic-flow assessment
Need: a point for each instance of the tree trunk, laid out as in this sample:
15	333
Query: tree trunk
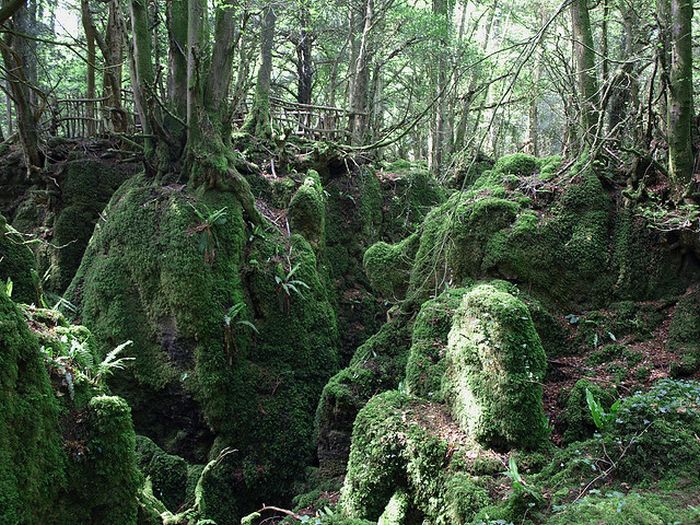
21	71
585	70
142	72
439	128
680	99
112	48
90	93
304	63
359	93
259	120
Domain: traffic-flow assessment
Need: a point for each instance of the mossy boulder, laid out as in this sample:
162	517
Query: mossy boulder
388	266
519	164
18	265
400	466
494	369
178	274
168	473
409	191
32	460
307	210
61	462
378	365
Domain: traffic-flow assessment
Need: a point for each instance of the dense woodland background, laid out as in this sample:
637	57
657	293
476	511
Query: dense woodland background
349	262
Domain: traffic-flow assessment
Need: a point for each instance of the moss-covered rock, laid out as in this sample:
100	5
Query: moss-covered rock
388	266
177	274
519	164
31	456
377	366
61	462
307	210
400	466
494	368
17	264
168	473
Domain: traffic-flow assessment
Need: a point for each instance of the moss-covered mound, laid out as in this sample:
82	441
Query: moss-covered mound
377	366
401	466
31	457
234	335
494	370
86	187
17	264
64	458
168	473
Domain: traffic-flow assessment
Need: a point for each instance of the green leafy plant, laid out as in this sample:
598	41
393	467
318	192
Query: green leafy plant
231	317
520	486
110	364
208	220
601	417
8	287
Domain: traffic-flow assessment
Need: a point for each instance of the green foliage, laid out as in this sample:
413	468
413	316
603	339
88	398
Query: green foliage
601	417
206	229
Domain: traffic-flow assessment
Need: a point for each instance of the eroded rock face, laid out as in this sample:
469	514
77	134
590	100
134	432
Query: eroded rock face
495	365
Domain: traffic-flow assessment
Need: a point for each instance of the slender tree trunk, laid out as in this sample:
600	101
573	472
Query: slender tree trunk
112	48
305	70
359	93
680	99
91	93
142	70
585	69
259	121
439	129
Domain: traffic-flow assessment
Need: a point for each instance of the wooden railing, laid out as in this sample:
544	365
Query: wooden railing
325	123
83	117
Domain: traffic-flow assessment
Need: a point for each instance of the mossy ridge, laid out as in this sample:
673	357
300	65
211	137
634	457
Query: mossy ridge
571	249
18	265
409	191
145	278
32	461
388	266
168	473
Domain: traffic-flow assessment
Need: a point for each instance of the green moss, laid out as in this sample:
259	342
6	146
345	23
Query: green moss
454	239
109	463
426	364
400	467
494	369
549	166
168	473
388	266
409	192
31	458
17	264
576	421
307	210
616	508
145	278
684	333
86	187
519	164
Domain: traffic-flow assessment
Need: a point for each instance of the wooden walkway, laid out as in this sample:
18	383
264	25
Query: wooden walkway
81	117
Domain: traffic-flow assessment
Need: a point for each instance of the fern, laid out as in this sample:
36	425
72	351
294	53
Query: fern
110	364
